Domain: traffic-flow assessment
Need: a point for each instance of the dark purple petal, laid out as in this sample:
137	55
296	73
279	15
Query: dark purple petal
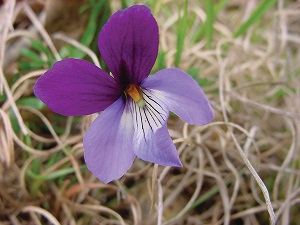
128	43
74	87
108	143
158	148
181	94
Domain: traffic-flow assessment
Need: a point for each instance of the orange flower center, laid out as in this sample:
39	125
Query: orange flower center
135	92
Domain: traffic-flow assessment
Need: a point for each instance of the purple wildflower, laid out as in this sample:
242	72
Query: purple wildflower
135	107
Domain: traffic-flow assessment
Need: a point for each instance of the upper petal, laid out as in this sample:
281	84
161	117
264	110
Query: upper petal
128	43
108	143
181	94
74	87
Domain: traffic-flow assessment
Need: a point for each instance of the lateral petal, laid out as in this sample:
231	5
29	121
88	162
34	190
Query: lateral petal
181	94
74	87
128	43
108	143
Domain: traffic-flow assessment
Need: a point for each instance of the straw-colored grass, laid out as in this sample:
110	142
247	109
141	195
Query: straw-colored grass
242	168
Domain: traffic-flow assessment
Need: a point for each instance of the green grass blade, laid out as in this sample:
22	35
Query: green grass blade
220	6
209	25
31	102
161	60
40	47
29	54
96	8
124	4
201	31
53	175
212	192
260	10
92	24
182	23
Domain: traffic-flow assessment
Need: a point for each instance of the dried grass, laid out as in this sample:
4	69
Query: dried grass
243	168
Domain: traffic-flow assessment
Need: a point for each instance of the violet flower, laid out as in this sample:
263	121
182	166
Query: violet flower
135	107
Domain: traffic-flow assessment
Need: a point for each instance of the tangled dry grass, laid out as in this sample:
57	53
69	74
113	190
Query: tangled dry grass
242	168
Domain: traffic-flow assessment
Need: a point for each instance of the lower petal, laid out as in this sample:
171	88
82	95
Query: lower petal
108	143
181	94
149	118
158	148
152	141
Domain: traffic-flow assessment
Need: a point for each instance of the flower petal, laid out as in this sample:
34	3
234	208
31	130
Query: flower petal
74	87
150	118
108	143
158	148
151	139
181	94
128	43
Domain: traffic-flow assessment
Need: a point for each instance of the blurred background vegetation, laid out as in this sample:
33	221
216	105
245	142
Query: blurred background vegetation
243	168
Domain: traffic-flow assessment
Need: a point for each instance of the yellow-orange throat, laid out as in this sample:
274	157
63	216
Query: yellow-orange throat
135	92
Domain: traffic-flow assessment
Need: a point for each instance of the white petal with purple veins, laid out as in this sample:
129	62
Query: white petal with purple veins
152	141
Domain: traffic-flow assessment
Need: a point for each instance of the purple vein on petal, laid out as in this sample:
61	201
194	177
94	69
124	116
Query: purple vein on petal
152	141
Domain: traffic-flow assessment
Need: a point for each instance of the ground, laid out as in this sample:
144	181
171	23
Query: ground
241	168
